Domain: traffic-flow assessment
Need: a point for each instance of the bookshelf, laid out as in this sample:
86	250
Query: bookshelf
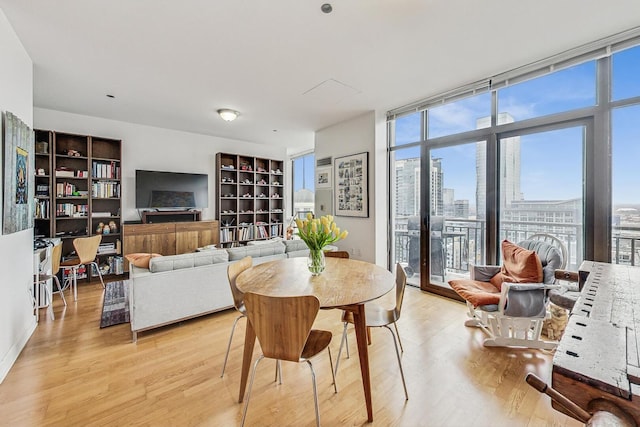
77	189
250	198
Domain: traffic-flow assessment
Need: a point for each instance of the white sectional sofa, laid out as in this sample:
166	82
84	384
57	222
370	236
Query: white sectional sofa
179	287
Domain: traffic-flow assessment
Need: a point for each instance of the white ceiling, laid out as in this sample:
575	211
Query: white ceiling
285	65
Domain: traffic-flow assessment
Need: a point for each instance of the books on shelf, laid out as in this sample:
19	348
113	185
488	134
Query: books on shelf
65	173
106	248
105	189
71	210
108	170
100	214
42	209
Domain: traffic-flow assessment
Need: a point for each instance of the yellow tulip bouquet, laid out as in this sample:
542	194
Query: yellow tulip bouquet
317	233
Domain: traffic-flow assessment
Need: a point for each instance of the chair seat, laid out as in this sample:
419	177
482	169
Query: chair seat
376	316
476	292
37	278
70	262
317	341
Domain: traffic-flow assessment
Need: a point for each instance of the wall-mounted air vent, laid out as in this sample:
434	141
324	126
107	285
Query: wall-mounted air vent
324	162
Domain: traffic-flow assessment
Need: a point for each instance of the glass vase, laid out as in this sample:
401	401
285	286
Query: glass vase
315	261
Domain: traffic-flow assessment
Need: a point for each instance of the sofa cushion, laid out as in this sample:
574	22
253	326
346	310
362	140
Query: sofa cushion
295	245
211	256
264	242
141	259
197	259
256	251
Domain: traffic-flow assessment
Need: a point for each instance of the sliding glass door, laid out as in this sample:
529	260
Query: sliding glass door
457	188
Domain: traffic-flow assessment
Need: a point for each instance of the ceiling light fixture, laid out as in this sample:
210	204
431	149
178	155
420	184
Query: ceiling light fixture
228	115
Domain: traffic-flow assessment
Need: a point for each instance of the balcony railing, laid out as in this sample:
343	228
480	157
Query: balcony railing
464	242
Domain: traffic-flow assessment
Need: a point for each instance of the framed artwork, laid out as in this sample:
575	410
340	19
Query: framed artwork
323	177
351	193
18	184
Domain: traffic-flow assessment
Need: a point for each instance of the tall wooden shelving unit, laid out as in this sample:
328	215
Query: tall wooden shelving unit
82	173
250	198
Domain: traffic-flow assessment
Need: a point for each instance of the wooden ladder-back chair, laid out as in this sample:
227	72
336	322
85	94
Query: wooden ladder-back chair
283	328
233	271
381	317
86	251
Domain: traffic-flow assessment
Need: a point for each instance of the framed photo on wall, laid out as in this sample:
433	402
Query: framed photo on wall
351	195
323	177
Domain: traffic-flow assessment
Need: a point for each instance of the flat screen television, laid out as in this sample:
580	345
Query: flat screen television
171	190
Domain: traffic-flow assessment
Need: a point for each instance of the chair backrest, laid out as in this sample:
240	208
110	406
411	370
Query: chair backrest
282	324
87	248
56	255
550	257
401	284
233	270
555	242
337	254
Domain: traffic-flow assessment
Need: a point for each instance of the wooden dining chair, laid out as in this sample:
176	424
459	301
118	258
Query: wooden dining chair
380	317
337	254
233	270
86	251
283	328
344	255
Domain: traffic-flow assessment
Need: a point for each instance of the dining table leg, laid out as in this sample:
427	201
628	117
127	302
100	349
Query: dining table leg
360	323
247	356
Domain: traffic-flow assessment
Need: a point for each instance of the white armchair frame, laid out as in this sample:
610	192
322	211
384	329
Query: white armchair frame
518	325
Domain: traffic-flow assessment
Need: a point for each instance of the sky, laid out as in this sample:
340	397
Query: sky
304	173
541	179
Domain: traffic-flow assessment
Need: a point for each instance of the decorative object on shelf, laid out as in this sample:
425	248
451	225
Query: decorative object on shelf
42	147
19	176
317	233
351	189
113	227
99	228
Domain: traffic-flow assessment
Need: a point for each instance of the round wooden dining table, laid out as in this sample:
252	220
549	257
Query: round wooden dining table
345	284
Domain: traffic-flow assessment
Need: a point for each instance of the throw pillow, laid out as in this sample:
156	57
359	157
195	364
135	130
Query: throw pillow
519	265
476	292
141	260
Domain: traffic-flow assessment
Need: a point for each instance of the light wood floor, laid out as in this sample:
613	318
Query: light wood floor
72	373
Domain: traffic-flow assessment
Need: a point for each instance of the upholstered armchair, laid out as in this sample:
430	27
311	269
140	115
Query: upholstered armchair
509	302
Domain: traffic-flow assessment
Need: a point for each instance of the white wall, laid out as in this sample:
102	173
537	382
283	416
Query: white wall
152	148
367	239
17	321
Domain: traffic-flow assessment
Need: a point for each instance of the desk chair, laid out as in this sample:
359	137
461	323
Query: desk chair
283	328
86	250
40	279
381	317
233	270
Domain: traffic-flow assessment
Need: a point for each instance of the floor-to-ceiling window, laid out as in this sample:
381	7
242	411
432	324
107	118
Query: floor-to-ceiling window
303	184
625	153
536	151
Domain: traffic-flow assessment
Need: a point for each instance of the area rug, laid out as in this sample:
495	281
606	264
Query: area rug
115	306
